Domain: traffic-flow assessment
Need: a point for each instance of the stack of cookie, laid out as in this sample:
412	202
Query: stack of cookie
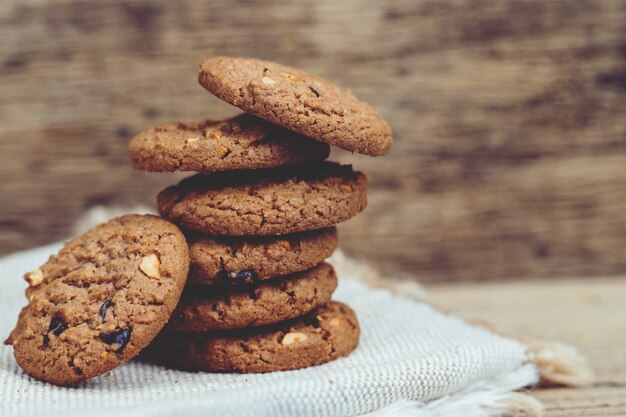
260	218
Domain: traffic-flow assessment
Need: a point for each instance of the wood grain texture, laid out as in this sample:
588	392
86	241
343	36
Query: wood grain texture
587	313
508	118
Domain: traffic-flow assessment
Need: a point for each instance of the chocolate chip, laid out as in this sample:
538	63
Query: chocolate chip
104	307
57	326
119	337
247	276
314	91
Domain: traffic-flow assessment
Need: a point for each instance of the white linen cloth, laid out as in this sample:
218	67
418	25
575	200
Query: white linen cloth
411	360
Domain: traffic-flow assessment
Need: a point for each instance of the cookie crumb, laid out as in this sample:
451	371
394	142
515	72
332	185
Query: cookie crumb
192	139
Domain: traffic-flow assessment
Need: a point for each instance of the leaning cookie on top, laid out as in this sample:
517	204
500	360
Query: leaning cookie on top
260	216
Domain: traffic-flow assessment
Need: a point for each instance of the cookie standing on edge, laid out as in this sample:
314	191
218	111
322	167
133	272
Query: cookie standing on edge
242	142
325	334
298	101
101	300
217	260
256	304
266	202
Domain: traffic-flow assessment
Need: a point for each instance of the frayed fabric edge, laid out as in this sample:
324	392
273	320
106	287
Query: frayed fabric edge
482	399
558	363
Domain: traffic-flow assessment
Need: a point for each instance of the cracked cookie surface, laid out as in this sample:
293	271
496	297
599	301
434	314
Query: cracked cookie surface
327	333
298	101
253	304
218	260
101	299
266	202
242	142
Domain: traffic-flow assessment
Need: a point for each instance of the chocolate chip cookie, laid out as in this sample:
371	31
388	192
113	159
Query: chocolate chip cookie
298	101
266	202
218	260
101	300
255	304
325	334
243	142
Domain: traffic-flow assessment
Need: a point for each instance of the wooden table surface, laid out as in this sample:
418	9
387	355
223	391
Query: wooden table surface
587	313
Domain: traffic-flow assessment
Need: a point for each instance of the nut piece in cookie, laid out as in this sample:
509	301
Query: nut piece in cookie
34	278
150	265
97	303
293	337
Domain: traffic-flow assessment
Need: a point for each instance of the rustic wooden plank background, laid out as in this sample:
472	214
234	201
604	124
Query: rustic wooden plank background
509	118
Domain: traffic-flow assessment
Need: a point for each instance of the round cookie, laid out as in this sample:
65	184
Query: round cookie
216	260
266	202
259	304
243	142
101	300
329	332
298	101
